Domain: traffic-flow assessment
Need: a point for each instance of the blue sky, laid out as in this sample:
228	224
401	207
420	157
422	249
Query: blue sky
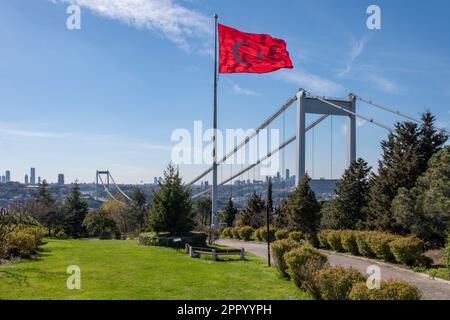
108	96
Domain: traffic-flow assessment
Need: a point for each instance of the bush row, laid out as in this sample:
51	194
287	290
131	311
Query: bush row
22	242
372	244
310	271
196	239
247	233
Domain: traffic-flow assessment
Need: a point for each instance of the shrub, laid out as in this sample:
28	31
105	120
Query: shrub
23	241
348	242
235	232
61	235
390	290
281	234
335	283
323	241
246	232
296	236
257	234
227	232
407	250
379	244
334	240
303	264
279	249
263	233
363	244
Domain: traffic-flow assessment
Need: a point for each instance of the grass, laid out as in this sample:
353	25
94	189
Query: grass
435	272
124	270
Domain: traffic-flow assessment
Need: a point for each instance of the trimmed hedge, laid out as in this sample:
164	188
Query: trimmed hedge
153	239
303	264
279	249
246	233
371	244
296	236
335	283
261	234
334	240
390	290
348	242
407	250
281	234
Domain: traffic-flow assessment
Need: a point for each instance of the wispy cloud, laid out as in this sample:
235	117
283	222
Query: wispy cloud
386	85
177	23
314	83
359	123
356	50
236	89
94	138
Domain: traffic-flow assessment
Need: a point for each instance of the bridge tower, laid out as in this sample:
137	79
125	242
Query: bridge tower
98	177
315	105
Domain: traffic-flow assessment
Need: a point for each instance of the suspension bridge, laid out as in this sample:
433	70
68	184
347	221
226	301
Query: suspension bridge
306	103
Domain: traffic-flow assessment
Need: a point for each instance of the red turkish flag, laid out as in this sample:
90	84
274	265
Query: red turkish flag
242	52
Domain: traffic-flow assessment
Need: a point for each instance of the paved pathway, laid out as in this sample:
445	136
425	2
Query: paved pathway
432	289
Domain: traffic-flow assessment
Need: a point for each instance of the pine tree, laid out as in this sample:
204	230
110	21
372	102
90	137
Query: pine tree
303	210
138	207
280	219
171	209
352	191
254	212
425	209
45	206
75	211
229	215
406	153
203	209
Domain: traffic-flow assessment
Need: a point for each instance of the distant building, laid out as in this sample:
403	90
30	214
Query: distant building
3	179
155	180
26	179
288	173
8	176
33	176
39	180
60	179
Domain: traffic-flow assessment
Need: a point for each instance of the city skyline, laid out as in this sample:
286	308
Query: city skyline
109	96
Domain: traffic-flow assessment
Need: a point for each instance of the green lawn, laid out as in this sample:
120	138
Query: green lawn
124	270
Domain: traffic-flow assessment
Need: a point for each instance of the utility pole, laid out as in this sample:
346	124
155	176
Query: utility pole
214	221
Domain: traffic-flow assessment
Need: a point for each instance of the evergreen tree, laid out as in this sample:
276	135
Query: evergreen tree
46	206
425	209
75	211
203	209
346	210
138	207
254	212
405	155
280	219
171	209
303	210
229	215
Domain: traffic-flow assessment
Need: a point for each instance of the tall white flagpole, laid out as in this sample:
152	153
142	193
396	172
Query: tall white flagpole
214	220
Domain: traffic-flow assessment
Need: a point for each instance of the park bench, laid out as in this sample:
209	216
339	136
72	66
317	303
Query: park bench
214	253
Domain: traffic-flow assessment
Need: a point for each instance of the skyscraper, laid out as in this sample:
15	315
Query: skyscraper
26	179
39	180
8	176
287	174
33	176
60	179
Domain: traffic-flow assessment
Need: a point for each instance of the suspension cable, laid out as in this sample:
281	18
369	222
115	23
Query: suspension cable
268	155
397	112
371	120
107	190
246	140
118	188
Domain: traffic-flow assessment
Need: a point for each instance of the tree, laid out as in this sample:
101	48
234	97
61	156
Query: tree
171	209
352	192
75	211
138	208
99	223
46	212
280	219
203	212
424	210
121	214
229	215
303	210
406	153
254	212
